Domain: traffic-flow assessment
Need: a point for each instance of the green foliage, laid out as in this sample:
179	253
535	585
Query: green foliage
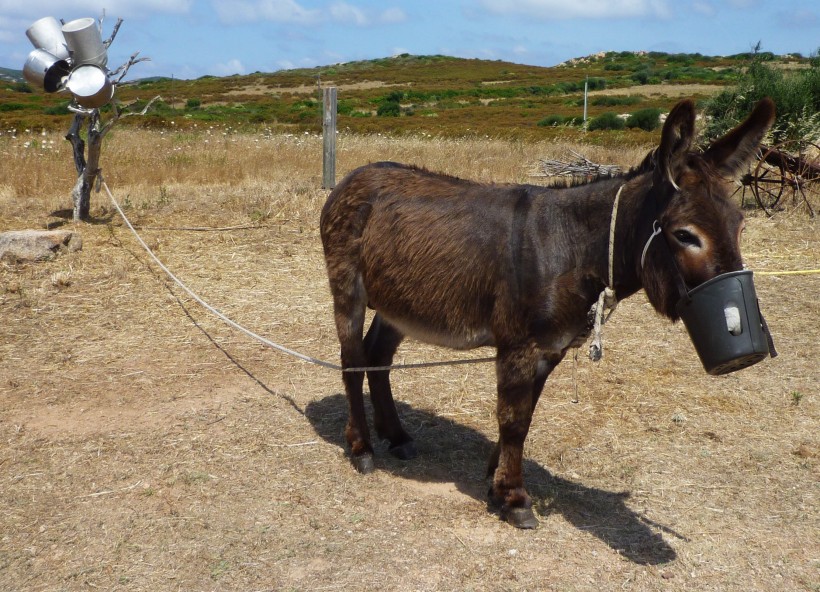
59	109
11	107
606	121
552	121
389	109
613	100
645	119
795	93
193	103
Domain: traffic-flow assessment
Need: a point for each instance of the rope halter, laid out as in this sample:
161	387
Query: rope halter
607	300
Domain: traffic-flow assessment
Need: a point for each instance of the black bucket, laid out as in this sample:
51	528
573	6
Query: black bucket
724	322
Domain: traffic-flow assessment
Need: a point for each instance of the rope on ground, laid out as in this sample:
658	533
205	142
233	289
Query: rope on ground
267	342
795	272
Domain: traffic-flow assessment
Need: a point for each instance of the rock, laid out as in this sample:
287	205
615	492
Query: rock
37	245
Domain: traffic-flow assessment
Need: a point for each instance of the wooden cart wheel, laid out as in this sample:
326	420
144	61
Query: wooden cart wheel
744	183
792	167
806	175
768	179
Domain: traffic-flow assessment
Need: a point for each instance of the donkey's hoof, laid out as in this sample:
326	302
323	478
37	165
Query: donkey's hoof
406	451
363	463
523	518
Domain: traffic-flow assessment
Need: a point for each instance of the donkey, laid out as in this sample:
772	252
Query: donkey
518	267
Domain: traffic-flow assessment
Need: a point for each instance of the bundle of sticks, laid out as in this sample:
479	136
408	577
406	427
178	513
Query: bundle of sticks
580	167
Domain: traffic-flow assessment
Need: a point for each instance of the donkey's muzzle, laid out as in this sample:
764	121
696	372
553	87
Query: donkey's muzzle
724	323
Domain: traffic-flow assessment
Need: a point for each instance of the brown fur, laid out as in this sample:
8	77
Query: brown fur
464	264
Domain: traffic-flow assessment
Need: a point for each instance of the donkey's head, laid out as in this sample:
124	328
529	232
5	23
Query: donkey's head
689	203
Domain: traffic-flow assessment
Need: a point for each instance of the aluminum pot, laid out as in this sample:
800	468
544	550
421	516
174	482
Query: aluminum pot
724	323
47	33
45	70
85	42
90	86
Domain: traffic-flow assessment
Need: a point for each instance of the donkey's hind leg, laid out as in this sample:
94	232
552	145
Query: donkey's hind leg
348	307
380	345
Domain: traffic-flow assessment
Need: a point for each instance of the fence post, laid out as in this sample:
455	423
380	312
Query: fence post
329	136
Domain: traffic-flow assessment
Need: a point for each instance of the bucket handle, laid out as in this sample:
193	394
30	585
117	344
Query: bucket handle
769	340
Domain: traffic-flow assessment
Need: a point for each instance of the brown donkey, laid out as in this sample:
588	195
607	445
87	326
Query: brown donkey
518	267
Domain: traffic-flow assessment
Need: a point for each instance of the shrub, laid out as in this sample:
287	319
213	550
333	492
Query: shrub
645	119
551	121
796	94
606	121
192	104
389	109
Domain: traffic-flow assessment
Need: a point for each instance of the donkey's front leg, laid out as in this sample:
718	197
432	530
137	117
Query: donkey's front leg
516	369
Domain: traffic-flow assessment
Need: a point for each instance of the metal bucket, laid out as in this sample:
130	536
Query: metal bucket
47	33
45	70
85	42
724	322
90	86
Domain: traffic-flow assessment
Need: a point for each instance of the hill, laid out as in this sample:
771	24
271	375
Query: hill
413	94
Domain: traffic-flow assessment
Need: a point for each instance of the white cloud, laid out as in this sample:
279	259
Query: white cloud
291	11
392	16
562	9
230	67
278	11
341	12
704	8
70	9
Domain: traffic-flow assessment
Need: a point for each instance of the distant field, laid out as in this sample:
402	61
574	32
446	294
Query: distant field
436	95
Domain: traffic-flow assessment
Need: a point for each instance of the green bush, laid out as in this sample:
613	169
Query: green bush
606	121
645	119
612	100
795	93
192	104
389	109
551	121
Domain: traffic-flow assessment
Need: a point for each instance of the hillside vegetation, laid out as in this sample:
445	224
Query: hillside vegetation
435	95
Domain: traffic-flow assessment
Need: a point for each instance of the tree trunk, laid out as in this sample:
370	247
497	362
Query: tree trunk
87	170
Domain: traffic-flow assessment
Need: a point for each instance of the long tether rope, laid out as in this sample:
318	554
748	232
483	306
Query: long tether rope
263	340
607	300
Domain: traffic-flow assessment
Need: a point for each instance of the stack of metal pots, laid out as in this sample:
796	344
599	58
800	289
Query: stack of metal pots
72	57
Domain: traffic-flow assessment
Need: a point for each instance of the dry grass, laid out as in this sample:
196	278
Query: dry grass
147	446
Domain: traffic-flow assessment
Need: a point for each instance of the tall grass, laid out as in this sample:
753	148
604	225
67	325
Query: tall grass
254	177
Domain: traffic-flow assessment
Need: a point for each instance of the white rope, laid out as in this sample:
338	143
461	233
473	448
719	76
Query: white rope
271	344
607	298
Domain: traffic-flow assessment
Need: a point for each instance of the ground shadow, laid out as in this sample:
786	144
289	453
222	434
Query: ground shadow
66	216
449	452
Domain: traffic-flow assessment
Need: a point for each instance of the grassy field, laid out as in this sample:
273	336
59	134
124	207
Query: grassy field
148	446
438	95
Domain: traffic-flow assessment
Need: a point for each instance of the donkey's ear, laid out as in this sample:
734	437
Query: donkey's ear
732	153
676	139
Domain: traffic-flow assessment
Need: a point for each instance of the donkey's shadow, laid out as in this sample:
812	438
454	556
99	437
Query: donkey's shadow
449	452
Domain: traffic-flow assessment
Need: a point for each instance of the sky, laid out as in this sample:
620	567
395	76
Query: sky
192	38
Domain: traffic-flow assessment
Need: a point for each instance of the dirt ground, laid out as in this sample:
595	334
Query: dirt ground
148	446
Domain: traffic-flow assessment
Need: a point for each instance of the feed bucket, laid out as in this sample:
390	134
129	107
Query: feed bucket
45	70
85	42
90	86
47	33
724	323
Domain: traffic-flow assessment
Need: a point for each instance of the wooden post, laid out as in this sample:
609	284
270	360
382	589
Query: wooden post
329	135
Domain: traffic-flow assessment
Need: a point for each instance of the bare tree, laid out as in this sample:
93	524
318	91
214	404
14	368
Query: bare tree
88	163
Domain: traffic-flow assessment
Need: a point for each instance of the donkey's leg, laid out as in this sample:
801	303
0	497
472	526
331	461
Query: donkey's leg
348	308
546	365
380	344
517	368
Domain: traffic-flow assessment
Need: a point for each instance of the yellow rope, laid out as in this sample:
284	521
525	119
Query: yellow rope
796	272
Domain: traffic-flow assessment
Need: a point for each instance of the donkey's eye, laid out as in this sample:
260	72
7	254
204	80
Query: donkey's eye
686	238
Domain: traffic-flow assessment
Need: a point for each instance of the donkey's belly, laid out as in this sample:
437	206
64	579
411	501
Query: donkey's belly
459	338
